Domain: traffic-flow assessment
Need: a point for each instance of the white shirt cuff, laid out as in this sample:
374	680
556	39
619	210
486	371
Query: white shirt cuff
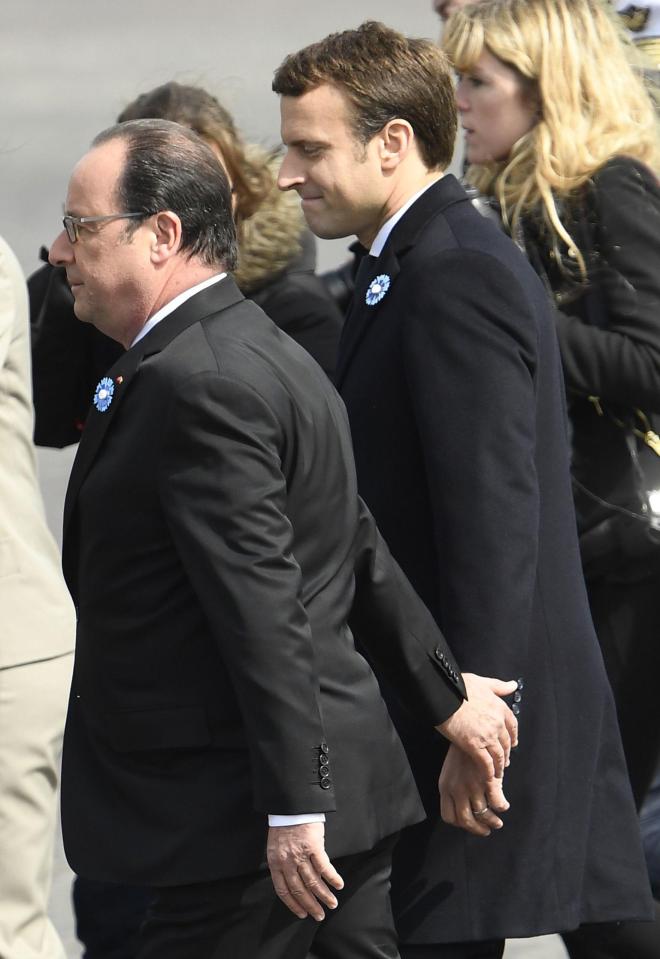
296	820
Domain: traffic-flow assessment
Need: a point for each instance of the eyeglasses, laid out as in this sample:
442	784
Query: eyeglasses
72	224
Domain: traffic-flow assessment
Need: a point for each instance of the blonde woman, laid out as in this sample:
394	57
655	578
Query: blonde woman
560	129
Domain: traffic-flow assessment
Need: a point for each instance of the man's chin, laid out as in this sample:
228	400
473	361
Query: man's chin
325	231
80	312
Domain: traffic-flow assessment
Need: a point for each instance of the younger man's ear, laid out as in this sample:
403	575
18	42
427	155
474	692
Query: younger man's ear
396	138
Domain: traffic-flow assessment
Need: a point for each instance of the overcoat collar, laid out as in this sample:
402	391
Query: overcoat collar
442	194
213	299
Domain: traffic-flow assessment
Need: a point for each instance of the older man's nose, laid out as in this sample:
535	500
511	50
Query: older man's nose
61	251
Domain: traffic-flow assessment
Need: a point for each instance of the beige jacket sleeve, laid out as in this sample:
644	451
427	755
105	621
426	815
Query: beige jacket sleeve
36	614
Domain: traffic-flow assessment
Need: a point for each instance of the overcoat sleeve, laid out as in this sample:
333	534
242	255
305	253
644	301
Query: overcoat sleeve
398	632
620	359
470	353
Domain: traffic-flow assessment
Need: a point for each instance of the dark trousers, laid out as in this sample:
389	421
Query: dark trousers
241	918
627	621
490	949
108	917
625	940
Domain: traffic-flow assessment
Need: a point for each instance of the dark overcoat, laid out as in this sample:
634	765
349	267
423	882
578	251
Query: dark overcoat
609	339
454	391
215	546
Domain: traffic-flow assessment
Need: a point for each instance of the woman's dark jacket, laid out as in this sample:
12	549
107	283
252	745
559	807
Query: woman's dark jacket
608	328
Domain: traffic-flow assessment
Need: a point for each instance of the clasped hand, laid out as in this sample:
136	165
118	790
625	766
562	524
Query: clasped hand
484	727
483	731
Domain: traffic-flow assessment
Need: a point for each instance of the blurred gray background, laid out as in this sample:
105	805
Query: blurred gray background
67	69
69	66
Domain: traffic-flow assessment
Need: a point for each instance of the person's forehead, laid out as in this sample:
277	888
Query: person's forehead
94	177
316	110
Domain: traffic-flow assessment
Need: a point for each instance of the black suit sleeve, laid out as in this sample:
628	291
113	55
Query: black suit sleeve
470	347
224	496
620	361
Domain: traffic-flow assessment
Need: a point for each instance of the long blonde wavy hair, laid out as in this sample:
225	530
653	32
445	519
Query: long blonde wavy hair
593	104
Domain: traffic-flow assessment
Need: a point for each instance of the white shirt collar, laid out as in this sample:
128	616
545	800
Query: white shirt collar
383	234
175	303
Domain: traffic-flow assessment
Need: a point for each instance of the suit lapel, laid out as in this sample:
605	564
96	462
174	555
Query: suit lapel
362	314
445	192
211	300
97	423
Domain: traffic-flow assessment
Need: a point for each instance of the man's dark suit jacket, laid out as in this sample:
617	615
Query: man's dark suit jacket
215	547
455	398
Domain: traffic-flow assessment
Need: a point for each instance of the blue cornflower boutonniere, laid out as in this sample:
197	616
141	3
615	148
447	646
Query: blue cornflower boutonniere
377	289
103	394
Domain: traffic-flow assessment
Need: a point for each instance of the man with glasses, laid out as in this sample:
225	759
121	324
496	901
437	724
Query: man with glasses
216	548
72	224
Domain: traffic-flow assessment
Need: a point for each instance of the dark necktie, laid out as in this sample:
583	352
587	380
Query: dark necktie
363	277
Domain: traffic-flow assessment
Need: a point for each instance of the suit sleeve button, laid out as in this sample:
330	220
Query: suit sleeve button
325	784
324	748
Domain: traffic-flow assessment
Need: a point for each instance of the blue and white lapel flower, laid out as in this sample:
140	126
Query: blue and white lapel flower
103	394
377	289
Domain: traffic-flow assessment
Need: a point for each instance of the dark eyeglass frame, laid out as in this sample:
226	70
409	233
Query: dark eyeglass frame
73	223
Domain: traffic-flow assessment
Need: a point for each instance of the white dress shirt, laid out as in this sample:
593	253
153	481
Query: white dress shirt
383	234
176	302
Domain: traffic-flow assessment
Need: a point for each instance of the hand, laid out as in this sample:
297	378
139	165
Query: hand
466	800
300	869
484	727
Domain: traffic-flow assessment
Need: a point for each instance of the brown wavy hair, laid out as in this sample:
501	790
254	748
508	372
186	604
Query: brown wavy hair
251	178
385	76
